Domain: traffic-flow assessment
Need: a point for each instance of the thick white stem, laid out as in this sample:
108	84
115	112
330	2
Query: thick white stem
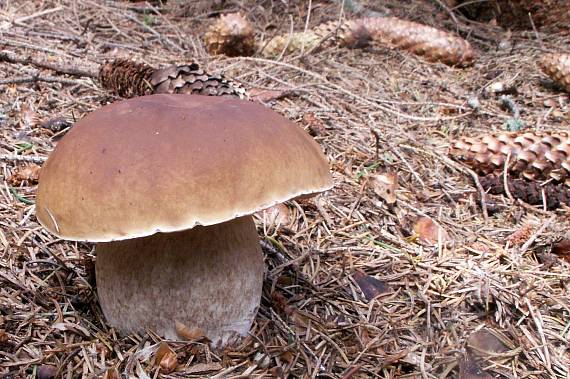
206	277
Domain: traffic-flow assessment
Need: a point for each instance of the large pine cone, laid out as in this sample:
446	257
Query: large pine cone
557	67
352	33
128	79
433	44
231	35
529	192
534	155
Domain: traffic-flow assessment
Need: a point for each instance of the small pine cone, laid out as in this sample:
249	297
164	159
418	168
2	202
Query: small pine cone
557	67
129	79
433	44
190	79
529	192
231	35
290	44
534	155
126	78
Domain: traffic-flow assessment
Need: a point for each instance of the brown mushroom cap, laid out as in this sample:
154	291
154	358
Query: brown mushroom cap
165	163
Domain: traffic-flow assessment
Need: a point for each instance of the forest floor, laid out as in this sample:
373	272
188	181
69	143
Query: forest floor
350	290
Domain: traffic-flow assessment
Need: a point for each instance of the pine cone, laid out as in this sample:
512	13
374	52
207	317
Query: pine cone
128	79
433	44
557	67
190	79
534	155
231	35
529	192
352	34
293	43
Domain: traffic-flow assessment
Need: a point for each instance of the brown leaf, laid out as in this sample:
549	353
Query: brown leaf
278	215
3	336
429	232
314	124
385	185
111	373
469	369
202	367
189	334
351	371
266	95
300	320
46	372
27	175
562	249
521	235
280	302
287	357
486	342
166	358
29	116
393	358
370	287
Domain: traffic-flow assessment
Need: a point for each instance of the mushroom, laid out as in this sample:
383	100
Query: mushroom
166	186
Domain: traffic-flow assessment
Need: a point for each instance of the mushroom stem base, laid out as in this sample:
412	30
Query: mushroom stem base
207	279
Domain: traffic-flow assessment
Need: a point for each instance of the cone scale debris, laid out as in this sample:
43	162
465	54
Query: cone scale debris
533	193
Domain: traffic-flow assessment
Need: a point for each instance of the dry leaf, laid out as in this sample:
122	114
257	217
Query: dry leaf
111	373
46	372
370	287
300	320
429	232
393	358
469	369
280	302
166	358
487	342
26	175
202	367
189	334
349	374
287	357
3	336
562	249
29	116
385	185
266	95
278	215
521	235
314	124
78	329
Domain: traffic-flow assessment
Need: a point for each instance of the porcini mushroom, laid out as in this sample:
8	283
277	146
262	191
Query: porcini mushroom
166	185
